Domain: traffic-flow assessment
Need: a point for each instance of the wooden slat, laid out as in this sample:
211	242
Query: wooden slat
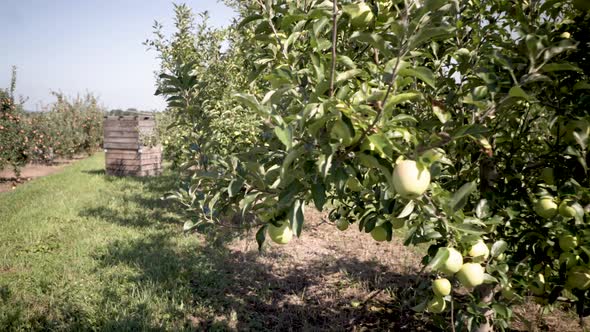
120	123
121	140
121	133
132	162
147	123
121	146
132	168
117	153
118	156
153	150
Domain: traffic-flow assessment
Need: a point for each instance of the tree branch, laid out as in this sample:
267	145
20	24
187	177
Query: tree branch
334	37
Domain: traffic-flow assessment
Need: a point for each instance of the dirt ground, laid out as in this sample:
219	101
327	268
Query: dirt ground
338	282
9	181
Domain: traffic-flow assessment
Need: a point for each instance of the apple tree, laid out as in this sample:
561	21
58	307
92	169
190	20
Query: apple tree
463	122
197	77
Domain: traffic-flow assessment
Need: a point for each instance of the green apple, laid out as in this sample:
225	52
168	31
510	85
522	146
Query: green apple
282	234
567	209
453	262
578	278
379	233
545	207
479	249
409	180
566	35
537	287
568	242
441	287
397	223
569	259
342	224
508	292
437	305
360	14
501	257
471	275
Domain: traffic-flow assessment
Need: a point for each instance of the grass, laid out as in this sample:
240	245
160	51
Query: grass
80	250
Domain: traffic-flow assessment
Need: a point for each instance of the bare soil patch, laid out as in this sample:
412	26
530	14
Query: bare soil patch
9	180
325	281
329	280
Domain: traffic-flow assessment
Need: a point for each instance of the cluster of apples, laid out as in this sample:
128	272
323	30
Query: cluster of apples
469	274
549	207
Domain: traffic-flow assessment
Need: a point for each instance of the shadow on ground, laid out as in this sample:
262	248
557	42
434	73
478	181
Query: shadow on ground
229	285
246	290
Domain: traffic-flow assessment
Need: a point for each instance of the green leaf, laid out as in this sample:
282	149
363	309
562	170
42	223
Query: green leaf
346	61
296	217
189	225
285	135
347	75
429	34
460	197
501	310
382	144
318	191
550	67
488	279
582	86
422	73
249	19
470	130
400	98
467	228
518	92
482	210
373	39
251	102
408	209
261	236
498	248
439	259
442	115
235	186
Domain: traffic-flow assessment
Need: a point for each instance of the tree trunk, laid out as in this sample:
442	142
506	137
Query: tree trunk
486	292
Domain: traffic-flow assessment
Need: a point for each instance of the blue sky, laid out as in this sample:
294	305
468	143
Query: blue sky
74	46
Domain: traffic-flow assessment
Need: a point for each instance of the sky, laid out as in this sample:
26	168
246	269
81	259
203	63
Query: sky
79	46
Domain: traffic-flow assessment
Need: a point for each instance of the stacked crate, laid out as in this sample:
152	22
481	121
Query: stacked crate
129	146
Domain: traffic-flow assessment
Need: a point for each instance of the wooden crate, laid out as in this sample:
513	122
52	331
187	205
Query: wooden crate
124	143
